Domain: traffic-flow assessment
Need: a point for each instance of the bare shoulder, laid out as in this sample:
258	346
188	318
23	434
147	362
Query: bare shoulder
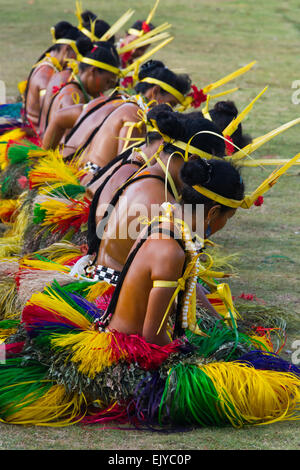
166	255
129	110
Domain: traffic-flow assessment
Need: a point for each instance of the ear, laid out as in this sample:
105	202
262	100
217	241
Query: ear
155	91
213	212
94	71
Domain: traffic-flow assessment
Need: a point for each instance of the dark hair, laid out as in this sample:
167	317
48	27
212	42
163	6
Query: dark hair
62	30
157	69
152	136
100	50
101	26
65	30
219	176
222	114
139	25
87	17
180	126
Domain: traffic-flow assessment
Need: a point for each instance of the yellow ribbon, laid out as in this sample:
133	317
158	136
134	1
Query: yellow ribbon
231	128
248	201
146	56
180	286
69	42
165	86
98	64
228	78
90	34
148	21
186	146
225	295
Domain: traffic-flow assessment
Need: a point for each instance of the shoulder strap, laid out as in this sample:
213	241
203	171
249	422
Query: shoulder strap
94	241
41	62
95	131
122	159
88	114
53	98
153	228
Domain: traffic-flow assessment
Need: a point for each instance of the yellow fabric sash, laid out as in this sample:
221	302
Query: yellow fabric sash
144	57
180	285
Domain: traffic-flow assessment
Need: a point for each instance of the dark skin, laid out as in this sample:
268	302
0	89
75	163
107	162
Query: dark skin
66	118
108	143
94	82
56	81
118	238
140	307
39	81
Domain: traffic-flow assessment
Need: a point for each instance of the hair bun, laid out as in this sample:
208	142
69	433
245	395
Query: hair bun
156	110
169	123
148	67
88	16
227	107
84	45
196	172
62	28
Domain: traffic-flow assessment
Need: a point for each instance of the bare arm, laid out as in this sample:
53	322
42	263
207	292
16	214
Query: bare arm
63	120
167	264
108	143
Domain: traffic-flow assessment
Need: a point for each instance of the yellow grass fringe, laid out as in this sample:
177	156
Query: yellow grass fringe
53	302
55	408
91	350
251	396
16	134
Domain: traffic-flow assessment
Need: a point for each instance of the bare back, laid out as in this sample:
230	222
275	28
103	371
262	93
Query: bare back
38	82
55	82
140	307
87	122
108	143
123	226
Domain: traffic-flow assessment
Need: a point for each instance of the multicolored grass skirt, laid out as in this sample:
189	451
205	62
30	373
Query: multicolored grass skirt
62	368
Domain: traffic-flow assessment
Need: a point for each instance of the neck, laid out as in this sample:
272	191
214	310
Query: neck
174	166
58	56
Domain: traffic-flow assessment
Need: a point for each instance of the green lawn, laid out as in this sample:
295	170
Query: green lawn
211	39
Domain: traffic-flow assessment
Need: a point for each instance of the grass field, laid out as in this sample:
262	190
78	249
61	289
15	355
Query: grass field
211	39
